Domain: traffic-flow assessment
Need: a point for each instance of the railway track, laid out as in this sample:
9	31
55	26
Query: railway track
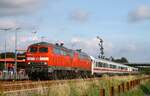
29	85
15	82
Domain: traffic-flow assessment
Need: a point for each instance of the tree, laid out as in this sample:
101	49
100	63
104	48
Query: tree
8	55
145	70
124	60
121	60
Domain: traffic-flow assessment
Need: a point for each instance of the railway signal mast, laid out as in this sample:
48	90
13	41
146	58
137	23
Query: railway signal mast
101	54
42	38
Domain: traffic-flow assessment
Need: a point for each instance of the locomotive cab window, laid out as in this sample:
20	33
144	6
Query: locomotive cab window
32	49
43	49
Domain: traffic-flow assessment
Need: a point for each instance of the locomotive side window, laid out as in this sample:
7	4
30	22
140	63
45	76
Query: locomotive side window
63	52
57	51
71	53
33	49
60	51
83	56
43	49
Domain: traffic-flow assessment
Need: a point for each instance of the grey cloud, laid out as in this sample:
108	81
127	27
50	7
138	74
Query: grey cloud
18	7
140	13
12	23
8	23
134	51
80	15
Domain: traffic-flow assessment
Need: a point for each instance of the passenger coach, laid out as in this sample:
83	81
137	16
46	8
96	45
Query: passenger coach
101	66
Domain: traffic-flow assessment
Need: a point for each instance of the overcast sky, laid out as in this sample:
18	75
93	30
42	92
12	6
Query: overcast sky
122	24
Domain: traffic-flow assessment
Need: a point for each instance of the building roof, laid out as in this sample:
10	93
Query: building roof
11	60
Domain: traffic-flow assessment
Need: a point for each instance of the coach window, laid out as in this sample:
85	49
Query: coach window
114	66
94	63
100	64
103	65
97	65
119	67
106	65
124	68
33	49
43	49
111	66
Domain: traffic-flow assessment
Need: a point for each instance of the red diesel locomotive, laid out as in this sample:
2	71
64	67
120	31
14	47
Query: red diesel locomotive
46	60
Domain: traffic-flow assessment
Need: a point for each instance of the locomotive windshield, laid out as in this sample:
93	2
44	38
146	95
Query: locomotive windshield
33	49
43	49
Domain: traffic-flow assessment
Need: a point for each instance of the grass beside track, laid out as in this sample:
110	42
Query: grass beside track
80	88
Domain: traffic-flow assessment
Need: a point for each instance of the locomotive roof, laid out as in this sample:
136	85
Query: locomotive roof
49	44
58	46
42	43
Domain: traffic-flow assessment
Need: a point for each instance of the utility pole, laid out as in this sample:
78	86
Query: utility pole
15	67
34	36
5	65
101	54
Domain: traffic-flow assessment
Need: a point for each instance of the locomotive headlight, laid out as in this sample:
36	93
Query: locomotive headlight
44	58
45	63
29	63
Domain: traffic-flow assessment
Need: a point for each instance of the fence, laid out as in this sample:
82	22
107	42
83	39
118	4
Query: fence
9	75
117	90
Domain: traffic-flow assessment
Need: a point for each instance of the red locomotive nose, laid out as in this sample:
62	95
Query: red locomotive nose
37	54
